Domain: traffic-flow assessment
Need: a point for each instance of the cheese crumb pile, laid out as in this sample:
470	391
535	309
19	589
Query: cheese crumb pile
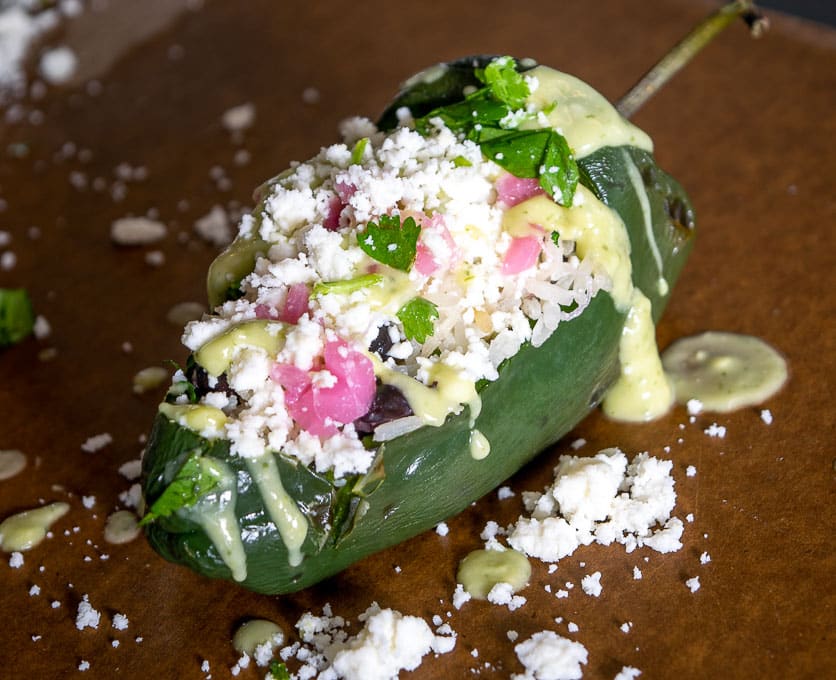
601	499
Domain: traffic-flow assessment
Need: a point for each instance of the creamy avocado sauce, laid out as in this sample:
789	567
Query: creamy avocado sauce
254	633
583	116
12	463
725	371
27	529
642	391
217	354
450	393
289	520
215	513
208	421
232	265
121	527
598	233
480	447
481	570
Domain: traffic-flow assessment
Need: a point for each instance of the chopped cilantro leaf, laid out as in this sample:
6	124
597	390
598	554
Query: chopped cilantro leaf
417	317
481	117
347	286
505	83
559	175
278	670
537	153
16	316
555	238
192	481
358	151
390	242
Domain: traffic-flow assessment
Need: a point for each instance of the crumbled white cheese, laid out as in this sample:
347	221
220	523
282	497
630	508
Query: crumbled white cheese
16	560
715	430
120	622
601	499
766	416
705	558
214	227
690	471
503	594
83	665
34	591
58	65
547	656
637	574
88	502
442	529
591	584
694	407
97	442
86	616
693	584
628	673
239	118
136	231
504	493
460	596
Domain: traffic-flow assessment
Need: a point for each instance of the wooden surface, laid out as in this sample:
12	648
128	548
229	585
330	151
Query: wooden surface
748	129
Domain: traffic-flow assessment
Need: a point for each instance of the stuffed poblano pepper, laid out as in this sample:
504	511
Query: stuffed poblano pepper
409	317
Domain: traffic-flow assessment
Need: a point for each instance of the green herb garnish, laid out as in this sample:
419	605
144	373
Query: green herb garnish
484	117
16	316
417	317
192	481
390	242
555	236
278	670
347	286
358	151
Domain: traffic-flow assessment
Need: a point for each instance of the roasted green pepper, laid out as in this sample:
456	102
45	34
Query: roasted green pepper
422	477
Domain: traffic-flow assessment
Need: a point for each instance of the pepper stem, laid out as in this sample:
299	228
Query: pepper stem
688	48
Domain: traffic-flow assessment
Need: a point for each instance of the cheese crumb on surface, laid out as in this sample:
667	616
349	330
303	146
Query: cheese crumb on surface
694	407
601	499
504	493
389	642
503	594
637	574
715	430
705	558
120	622
591	584
693	584
97	442
87	617
766	416
83	665
690	471
460	596
442	529
628	673
548	656
16	560
136	231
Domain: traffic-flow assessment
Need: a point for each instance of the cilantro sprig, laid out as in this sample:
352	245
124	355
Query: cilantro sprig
191	482
16	316
391	242
484	117
418	316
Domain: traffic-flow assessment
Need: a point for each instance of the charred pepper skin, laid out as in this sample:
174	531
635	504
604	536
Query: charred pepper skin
423	477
